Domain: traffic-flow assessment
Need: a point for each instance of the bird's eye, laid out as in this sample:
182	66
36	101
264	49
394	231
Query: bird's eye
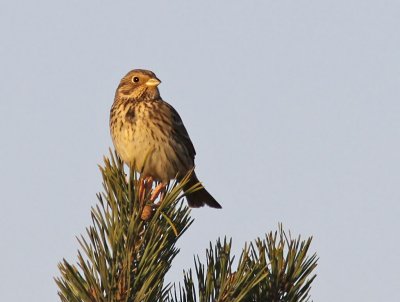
135	79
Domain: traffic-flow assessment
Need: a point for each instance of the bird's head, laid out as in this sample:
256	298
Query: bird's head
139	85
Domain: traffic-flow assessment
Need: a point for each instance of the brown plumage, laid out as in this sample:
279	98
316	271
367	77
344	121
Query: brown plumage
149	134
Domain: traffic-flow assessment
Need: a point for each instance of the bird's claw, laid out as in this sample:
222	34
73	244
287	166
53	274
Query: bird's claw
159	190
145	185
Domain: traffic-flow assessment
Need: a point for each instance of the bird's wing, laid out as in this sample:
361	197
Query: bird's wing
181	131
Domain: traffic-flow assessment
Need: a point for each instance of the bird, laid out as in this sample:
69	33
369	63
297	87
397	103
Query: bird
149	136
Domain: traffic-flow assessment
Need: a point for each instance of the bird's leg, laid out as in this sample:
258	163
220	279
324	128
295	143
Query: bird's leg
145	185
149	209
149	182
159	190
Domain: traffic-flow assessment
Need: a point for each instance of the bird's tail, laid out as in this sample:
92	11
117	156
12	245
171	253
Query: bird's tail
200	197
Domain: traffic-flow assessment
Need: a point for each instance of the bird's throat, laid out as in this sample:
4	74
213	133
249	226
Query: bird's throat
140	94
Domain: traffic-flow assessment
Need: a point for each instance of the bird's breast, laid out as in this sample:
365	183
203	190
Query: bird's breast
143	137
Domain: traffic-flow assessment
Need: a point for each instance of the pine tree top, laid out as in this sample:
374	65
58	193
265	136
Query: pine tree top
131	243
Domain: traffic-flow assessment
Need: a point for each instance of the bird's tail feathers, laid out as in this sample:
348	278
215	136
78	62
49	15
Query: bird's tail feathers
200	197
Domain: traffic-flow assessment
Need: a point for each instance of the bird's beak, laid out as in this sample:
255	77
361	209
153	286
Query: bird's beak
153	82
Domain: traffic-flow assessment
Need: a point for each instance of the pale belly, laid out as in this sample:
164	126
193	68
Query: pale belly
151	151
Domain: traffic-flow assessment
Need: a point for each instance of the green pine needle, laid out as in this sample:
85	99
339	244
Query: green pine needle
125	254
125	258
275	269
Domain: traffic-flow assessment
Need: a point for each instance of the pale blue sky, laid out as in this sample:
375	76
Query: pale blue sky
293	107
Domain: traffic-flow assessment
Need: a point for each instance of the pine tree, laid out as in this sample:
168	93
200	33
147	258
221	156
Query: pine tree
131	244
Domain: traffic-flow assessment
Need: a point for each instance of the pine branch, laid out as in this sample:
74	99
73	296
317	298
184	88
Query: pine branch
275	269
130	245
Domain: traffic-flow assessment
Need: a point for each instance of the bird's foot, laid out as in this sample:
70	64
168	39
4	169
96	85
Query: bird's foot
145	188
159	191
145	185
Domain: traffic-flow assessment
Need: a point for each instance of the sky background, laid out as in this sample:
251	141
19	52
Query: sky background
293	107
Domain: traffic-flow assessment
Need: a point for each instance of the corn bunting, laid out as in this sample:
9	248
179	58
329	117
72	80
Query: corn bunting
149	135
